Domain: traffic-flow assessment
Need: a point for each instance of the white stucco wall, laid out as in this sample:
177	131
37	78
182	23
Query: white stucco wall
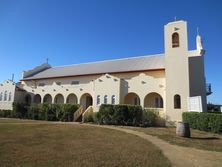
141	83
9	87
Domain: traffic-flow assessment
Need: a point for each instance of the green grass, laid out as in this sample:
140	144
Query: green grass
38	143
199	139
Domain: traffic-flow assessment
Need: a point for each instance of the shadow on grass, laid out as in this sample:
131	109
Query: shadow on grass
206	138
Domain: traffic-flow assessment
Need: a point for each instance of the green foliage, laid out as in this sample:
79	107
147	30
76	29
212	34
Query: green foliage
119	115
33	112
66	112
19	110
49	112
5	113
149	118
90	117
204	121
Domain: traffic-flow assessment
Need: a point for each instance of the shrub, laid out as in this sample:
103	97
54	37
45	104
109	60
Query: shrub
49	112
204	121
149	118
119	114
89	117
66	112
33	112
5	113
19	110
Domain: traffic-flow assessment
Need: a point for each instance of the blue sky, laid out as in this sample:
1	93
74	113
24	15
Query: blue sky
70	32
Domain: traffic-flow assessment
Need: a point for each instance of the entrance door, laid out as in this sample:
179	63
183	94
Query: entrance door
88	101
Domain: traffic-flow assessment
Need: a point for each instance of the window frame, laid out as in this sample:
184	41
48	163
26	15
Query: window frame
105	99
177	101
98	100
175	40
113	100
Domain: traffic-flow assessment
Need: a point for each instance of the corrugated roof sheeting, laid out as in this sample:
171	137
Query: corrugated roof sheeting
110	66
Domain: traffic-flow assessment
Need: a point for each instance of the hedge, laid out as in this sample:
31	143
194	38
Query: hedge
125	115
211	122
119	115
49	112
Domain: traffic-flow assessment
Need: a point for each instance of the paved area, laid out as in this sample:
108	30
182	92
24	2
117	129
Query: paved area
178	156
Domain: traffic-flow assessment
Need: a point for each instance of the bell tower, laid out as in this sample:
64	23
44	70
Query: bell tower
176	69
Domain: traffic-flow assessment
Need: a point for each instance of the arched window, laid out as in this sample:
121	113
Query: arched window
98	100
5	96
177	102
10	96
175	40
105	99
113	99
1	94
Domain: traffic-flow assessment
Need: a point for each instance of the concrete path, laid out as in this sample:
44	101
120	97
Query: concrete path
178	156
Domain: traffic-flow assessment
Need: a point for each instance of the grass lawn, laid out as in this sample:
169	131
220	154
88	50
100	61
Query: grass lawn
199	139
39	143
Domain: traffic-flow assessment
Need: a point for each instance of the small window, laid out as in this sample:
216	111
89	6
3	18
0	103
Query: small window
10	96
98	100
113	99
75	83
1	94
175	40
41	84
5	96
58	83
105	99
177	102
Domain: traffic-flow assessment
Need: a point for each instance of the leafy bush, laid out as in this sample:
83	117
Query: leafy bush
66	112
119	115
149	118
204	121
19	110
33	112
90	117
5	113
49	112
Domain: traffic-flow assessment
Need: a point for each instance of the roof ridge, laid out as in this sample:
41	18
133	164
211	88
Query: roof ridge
110	60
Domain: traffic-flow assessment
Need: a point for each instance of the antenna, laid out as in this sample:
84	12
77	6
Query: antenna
175	18
12	77
47	60
197	30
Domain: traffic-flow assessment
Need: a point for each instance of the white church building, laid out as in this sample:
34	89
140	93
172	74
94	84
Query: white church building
166	82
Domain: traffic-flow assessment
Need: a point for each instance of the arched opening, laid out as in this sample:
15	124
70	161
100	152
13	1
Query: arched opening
113	100
1	95
10	96
71	99
177	102
5	96
98	100
59	99
47	99
37	99
28	99
153	100
132	98
86	100
175	40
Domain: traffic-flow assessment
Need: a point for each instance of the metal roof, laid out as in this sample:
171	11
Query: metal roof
153	62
